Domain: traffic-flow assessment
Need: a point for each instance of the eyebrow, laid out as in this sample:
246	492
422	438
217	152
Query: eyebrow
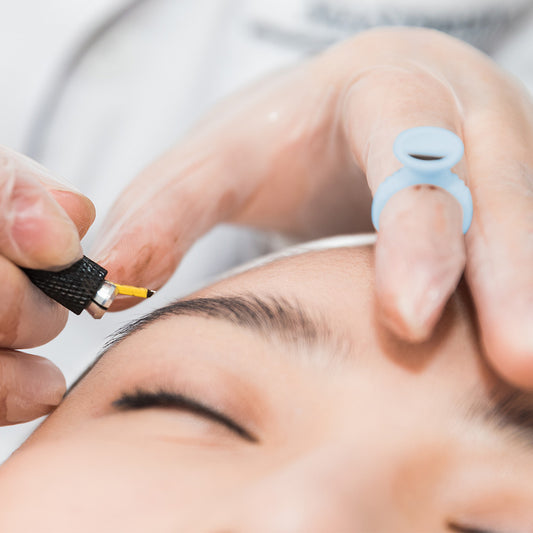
271	317
506	410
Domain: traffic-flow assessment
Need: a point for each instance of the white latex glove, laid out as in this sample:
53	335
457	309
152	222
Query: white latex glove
298	153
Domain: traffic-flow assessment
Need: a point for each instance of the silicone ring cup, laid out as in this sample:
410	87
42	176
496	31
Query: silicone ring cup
428	154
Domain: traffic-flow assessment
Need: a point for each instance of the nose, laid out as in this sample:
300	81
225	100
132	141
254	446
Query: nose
323	492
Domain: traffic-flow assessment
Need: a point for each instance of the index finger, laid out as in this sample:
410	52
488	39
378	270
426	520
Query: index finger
420	251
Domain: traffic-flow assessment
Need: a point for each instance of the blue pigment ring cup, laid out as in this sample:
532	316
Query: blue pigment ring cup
428	154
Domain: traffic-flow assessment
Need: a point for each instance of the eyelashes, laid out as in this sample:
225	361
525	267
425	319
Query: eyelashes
141	399
458	528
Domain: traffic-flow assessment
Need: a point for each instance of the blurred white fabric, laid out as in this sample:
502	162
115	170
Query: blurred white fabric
134	89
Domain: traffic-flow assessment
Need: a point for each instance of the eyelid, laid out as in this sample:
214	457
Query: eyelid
142	399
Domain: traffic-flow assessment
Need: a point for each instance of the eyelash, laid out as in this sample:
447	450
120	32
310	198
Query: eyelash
141	399
458	528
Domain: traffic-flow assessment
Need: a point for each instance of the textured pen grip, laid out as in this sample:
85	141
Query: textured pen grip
74	287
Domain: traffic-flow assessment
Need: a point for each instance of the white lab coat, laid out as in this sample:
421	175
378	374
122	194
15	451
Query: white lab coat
140	85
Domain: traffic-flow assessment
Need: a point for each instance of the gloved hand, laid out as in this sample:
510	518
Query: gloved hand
298	153
41	223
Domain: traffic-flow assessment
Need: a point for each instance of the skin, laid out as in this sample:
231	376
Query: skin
365	435
301	153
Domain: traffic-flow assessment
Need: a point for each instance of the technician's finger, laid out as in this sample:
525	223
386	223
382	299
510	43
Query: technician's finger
35	230
268	158
500	242
28	317
154	222
420	252
30	386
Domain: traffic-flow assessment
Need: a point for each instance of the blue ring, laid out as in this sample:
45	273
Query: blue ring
428	154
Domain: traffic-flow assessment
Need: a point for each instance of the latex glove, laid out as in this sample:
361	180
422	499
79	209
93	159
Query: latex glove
298	152
41	223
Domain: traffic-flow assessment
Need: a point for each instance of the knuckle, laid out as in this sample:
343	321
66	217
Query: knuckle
407	78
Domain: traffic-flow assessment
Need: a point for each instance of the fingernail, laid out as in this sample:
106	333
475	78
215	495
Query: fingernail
61	237
420	257
419	310
59	183
40	387
414	295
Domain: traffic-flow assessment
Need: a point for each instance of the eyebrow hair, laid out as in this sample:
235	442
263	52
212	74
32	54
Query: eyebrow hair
271	317
508	411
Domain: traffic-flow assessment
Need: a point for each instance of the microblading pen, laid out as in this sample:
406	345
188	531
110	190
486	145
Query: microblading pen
83	286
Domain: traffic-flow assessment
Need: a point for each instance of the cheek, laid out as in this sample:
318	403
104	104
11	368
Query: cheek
132	486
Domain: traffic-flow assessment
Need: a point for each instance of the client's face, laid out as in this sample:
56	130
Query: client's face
276	404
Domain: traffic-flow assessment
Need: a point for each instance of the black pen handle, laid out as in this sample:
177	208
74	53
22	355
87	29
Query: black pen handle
75	287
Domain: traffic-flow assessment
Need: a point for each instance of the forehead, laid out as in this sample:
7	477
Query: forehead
334	270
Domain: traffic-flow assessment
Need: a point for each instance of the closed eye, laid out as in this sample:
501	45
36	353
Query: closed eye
141	399
457	528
